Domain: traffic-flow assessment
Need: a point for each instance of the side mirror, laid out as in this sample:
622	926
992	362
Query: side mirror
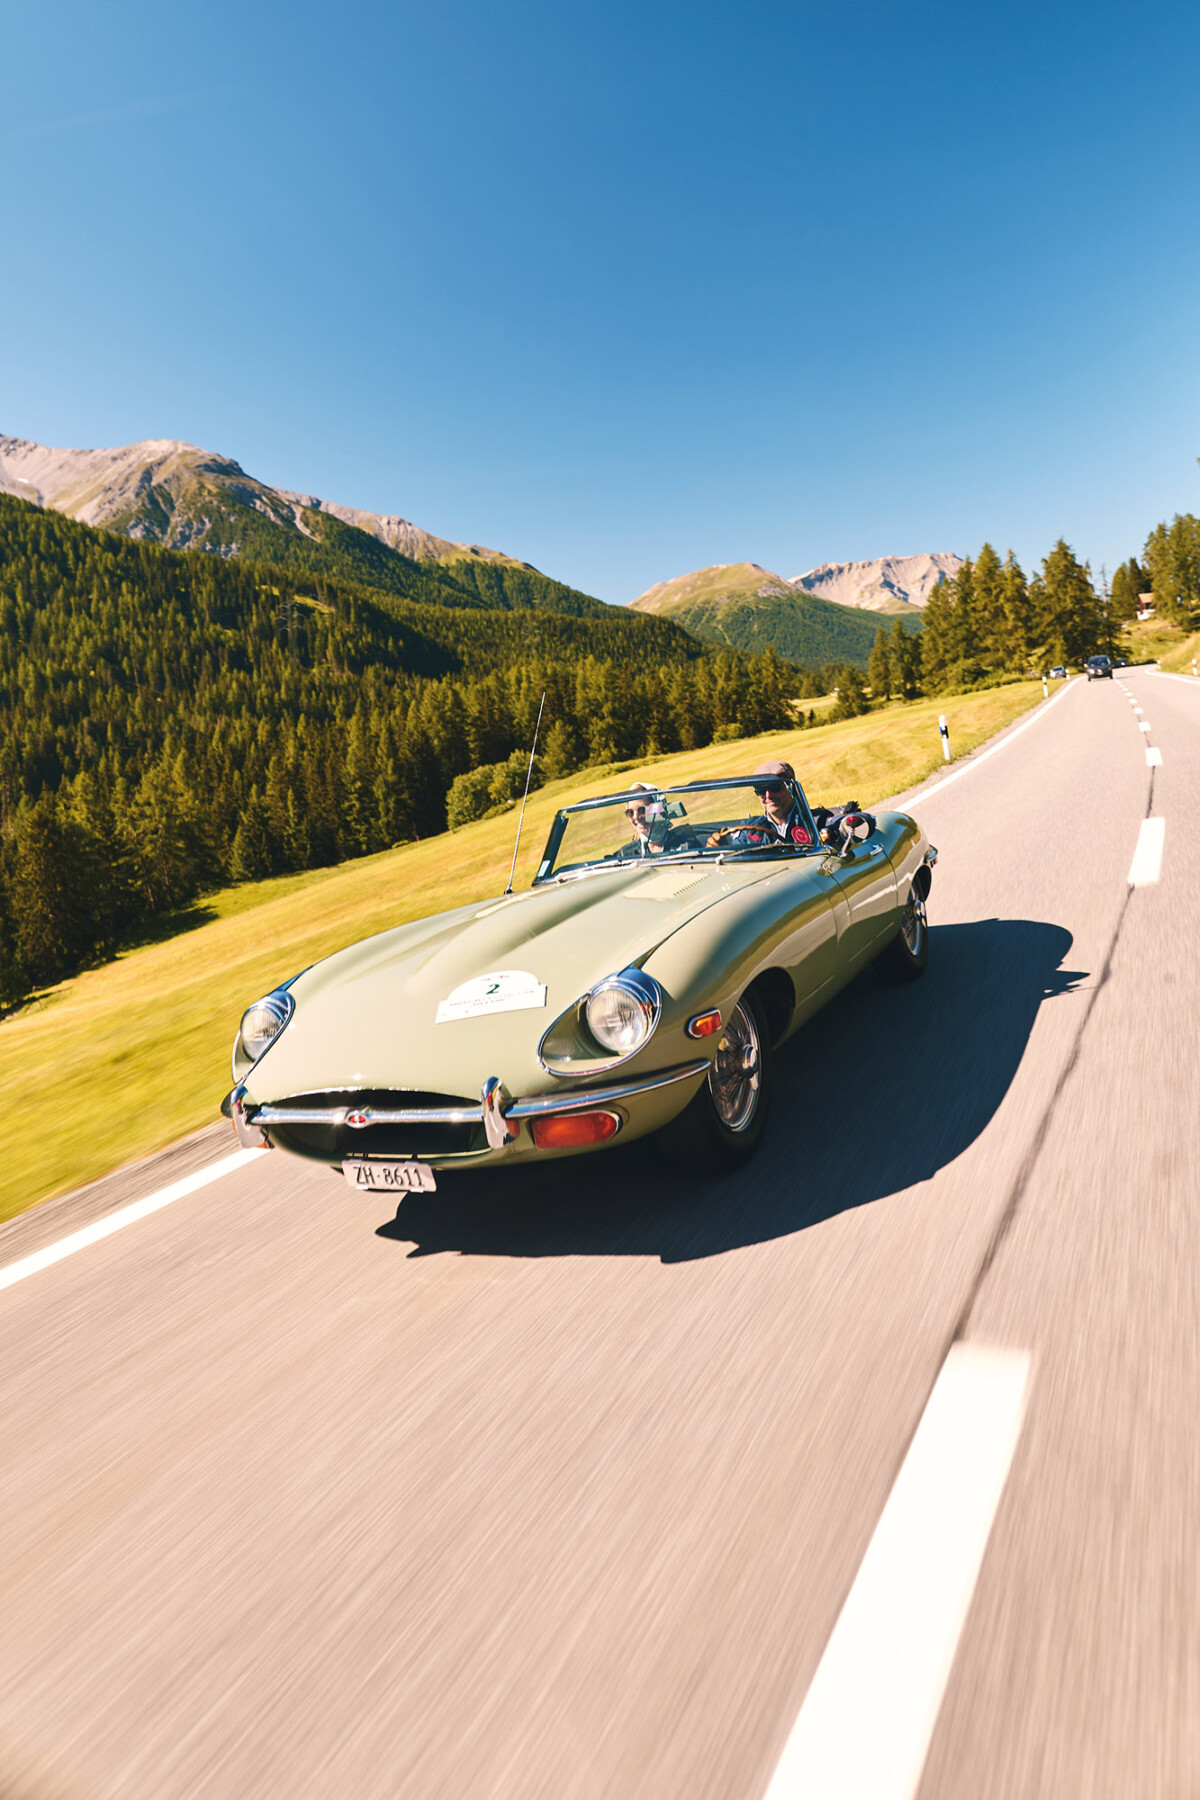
855	828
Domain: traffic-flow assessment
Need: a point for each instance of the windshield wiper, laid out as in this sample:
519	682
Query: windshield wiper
597	868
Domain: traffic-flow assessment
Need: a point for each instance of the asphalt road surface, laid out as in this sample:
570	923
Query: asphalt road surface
558	1484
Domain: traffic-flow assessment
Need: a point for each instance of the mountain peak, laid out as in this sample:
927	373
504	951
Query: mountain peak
891	584
717	583
178	494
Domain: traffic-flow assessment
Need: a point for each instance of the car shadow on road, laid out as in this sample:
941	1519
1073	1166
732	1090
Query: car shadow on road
881	1090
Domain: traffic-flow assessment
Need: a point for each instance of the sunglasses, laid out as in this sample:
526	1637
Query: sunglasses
773	787
635	812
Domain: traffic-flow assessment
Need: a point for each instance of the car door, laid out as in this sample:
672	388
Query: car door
865	883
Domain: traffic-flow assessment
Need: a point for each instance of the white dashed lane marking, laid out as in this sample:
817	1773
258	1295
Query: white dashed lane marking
126	1215
865	1726
1153	756
1146	866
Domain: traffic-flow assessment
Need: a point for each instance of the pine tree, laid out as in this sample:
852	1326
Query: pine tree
167	830
52	930
1172	556
561	753
991	625
14	983
851	694
879	667
939	638
1128	583
1016	642
250	858
904	660
359	788
1072	608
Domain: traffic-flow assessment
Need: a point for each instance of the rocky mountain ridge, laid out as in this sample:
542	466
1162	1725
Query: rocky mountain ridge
888	584
177	494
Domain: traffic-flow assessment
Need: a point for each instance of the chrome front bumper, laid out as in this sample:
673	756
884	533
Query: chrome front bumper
496	1112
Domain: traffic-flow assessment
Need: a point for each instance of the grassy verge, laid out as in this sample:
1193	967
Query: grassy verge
1179	660
1145	640
126	1058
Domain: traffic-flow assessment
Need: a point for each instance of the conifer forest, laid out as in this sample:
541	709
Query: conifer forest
174	720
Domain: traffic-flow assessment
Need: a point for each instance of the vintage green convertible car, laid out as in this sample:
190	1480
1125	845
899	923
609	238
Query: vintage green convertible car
672	939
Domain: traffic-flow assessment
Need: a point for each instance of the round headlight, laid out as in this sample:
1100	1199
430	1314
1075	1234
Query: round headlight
263	1022
622	1012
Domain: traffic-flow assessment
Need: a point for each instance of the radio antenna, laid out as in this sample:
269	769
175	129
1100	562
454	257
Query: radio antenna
525	795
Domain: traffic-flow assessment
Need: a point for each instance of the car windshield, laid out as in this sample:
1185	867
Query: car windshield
750	817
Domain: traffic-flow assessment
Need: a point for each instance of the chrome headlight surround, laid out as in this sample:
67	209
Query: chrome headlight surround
621	1011
261	1024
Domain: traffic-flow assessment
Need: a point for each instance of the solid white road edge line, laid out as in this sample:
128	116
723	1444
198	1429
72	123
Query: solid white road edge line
1153	756
1167	675
125	1215
1039	713
866	1723
1146	866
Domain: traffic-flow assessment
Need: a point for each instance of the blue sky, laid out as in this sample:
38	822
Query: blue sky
624	289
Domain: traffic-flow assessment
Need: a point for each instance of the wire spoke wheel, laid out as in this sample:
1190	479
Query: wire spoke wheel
736	1074
905	957
723	1123
913	924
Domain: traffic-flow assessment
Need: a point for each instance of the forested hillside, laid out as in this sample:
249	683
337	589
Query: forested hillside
170	493
806	630
170	720
749	608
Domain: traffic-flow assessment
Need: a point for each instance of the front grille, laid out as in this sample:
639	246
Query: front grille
332	1142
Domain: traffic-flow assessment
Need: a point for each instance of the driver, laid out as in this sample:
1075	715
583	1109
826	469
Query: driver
782	819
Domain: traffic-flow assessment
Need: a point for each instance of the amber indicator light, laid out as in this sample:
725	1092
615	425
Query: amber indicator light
704	1024
571	1129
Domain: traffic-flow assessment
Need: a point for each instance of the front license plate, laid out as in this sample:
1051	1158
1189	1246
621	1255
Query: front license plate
390	1177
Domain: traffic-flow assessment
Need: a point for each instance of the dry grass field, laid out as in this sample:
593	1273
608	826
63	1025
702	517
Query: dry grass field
126	1058
1180	660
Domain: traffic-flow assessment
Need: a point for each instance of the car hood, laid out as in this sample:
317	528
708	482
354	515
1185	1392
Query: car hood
368	1017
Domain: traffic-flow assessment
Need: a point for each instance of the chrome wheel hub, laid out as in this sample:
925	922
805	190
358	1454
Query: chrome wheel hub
912	925
733	1079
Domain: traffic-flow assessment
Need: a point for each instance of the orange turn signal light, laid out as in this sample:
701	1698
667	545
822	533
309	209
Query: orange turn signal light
566	1131
704	1024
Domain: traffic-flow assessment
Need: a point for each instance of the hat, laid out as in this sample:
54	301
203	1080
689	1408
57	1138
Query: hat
781	770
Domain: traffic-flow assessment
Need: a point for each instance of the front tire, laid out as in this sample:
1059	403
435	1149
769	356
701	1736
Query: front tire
908	953
722	1125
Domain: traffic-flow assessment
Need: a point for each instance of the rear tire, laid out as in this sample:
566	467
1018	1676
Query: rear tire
908	953
723	1123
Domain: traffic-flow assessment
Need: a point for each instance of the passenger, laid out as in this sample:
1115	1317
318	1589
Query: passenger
649	835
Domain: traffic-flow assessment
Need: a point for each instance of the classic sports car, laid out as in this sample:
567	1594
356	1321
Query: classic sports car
671	940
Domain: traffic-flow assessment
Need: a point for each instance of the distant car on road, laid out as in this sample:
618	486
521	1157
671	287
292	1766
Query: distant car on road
1058	673
641	983
1120	663
1098	667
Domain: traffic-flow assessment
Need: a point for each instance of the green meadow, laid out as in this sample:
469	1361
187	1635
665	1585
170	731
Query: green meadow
124	1059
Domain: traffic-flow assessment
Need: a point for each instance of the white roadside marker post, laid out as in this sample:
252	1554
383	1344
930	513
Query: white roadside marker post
1193	665
1045	687
945	731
